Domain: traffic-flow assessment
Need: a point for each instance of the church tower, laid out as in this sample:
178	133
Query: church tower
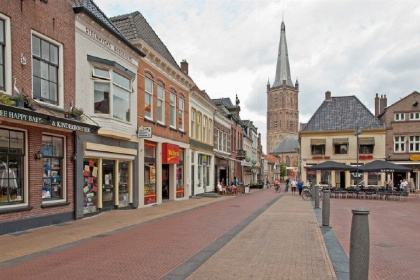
282	100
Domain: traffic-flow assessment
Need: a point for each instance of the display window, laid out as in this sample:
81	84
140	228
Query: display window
123	194
52	156
90	187
12	152
180	175
149	173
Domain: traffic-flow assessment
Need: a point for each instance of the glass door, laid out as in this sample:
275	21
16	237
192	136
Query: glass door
108	184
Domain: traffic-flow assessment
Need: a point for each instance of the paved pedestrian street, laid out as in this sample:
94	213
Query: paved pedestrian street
261	235
394	233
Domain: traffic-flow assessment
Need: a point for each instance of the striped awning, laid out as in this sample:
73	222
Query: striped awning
367	141
317	141
340	141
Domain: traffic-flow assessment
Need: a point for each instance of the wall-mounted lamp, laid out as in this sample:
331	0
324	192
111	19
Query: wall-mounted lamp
22	59
73	157
38	155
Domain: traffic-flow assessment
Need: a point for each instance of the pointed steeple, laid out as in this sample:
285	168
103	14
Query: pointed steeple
283	67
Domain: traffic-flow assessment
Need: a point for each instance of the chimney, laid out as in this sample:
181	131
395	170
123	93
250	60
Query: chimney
383	104
328	95
377	107
184	66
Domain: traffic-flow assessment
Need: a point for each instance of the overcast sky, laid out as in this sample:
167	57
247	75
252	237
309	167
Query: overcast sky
347	47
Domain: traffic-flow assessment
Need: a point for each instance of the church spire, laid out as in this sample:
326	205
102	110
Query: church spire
283	67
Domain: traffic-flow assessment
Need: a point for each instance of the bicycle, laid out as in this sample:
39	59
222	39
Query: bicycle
307	194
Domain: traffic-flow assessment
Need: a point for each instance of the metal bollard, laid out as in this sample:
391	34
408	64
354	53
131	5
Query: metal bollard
326	208
359	245
316	195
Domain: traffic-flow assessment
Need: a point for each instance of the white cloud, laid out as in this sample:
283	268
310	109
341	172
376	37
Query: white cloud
353	47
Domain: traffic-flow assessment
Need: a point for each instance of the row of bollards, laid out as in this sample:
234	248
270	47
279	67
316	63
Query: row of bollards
359	236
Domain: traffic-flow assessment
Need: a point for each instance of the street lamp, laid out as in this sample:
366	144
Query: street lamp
357	132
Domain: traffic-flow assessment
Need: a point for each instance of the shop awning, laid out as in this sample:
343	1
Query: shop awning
318	141
340	141
367	141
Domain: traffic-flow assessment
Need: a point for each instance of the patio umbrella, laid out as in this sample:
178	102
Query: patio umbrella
332	165
383	166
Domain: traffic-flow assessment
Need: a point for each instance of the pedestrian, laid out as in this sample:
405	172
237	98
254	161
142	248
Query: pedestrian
404	184
300	186
287	185
277	186
293	184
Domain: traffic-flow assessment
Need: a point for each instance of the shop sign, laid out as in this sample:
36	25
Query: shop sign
415	157
37	118
363	157
144	132
170	153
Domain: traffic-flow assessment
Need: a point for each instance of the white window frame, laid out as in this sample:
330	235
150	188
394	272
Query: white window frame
399	144
7	59
181	113
113	86
399	117
414	116
205	129
160	103
148	108
172	109
199	127
217	139
60	70
225	140
209	128
414	143
192	128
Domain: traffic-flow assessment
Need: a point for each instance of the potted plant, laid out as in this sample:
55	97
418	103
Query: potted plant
29	103
19	100
75	113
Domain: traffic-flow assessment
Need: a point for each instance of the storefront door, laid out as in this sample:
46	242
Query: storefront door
108	184
165	181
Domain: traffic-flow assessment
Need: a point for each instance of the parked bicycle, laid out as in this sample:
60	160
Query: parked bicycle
307	193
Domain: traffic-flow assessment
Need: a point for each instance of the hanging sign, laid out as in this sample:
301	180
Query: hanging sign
170	153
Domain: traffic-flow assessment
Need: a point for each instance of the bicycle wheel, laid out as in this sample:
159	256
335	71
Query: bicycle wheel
306	195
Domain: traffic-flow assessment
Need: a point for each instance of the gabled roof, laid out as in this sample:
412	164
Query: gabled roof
92	10
288	144
135	26
271	158
342	113
414	94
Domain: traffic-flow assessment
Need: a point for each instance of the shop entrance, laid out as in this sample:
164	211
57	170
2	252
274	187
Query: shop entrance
222	176
108	184
165	181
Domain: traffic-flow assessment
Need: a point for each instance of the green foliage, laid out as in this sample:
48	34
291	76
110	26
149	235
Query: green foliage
6	100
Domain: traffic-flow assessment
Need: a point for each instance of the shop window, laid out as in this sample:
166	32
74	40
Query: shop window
52	156
180	175
45	70
311	176
90	186
374	178
325	177
112	93
123	176
12	154
149	173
